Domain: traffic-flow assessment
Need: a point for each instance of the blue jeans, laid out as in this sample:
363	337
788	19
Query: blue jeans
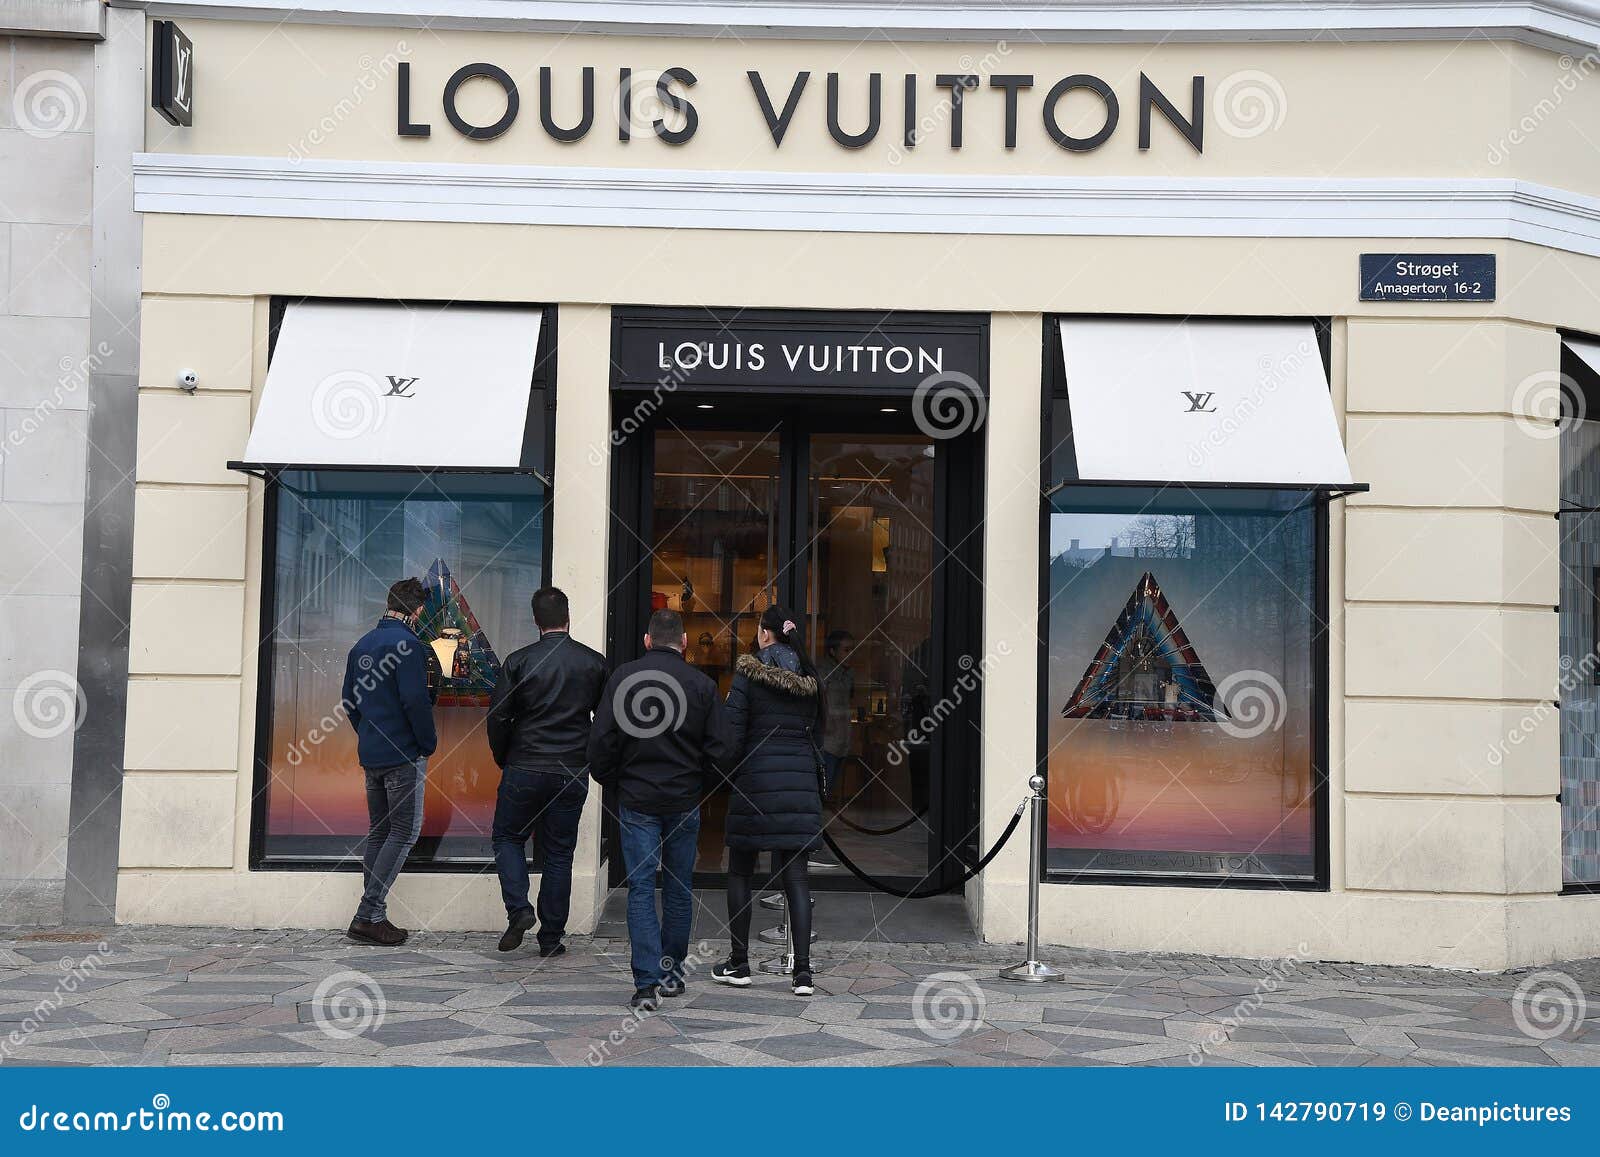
394	821
668	843
546	805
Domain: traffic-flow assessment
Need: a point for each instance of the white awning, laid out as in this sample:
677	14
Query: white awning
1209	402
392	385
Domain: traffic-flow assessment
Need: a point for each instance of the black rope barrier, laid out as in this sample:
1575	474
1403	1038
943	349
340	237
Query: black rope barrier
855	827
938	890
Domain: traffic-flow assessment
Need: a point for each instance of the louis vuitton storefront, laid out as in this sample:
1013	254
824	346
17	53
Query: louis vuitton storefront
1167	412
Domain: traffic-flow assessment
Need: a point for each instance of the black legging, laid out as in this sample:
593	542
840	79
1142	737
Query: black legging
797	894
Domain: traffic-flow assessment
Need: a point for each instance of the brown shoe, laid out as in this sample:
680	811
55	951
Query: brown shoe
382	933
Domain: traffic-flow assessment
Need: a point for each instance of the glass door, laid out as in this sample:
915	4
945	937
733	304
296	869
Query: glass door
869	608
714	557
869	536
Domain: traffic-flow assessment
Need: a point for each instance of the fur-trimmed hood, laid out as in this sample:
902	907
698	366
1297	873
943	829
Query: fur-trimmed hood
775	678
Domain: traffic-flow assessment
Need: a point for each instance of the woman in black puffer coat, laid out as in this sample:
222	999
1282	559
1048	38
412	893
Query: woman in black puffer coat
776	806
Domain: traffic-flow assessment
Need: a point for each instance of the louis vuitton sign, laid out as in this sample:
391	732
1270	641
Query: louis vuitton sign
796	350
171	73
1079	112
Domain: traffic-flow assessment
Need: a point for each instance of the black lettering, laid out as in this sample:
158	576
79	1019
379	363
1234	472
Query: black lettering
1058	134
624	104
1012	84
958	84
778	123
874	111
678	104
910	138
489	72
407	127
1192	127
547	116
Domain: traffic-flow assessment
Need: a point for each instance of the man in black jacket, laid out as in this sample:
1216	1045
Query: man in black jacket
539	717
659	734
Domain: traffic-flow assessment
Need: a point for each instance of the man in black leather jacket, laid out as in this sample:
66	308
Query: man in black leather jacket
660	734
539	718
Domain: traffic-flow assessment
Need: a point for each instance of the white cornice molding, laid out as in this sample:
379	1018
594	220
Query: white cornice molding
1484	208
1559	25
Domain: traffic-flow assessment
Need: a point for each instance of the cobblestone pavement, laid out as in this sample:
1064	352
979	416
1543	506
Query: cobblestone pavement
145	996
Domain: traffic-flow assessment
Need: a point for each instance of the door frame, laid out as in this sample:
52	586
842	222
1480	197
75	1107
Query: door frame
794	418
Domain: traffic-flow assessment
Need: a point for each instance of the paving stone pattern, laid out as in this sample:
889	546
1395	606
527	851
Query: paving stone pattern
217	997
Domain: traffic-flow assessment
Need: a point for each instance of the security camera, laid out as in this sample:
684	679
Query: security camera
188	380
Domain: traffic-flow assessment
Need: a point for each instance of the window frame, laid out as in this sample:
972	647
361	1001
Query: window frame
259	858
1572	369
1053	388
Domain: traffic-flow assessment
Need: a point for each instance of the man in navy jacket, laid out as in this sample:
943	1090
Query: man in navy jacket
386	698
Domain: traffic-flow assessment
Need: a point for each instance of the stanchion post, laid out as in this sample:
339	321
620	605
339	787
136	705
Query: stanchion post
1033	970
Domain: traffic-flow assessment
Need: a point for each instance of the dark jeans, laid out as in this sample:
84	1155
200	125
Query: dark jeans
791	867
668	843
546	805
394	821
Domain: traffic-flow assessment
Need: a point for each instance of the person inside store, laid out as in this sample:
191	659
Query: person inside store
540	714
773	716
660	737
838	701
385	697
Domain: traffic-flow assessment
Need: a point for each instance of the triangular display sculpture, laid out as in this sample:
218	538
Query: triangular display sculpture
474	668
1146	668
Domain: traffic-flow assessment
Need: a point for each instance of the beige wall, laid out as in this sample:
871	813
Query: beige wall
1442	580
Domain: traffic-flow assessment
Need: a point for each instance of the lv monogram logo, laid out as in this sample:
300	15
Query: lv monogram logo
181	86
1198	403
401	387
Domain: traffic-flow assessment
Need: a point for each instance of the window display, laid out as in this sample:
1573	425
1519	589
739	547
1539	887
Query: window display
476	542
1579	680
1179	737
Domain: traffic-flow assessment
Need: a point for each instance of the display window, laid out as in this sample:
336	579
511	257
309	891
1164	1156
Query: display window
394	441
1579	614
1189	467
1179	683
339	539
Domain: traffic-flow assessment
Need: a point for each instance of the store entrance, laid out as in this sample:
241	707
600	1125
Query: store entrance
859	521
